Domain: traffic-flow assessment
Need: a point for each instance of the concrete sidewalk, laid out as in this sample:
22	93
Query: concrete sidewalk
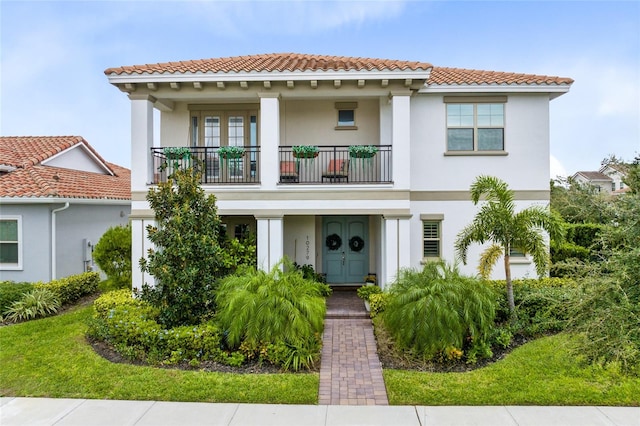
87	412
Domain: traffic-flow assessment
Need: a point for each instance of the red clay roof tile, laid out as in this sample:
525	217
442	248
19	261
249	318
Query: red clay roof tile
32	179
281	62
271	63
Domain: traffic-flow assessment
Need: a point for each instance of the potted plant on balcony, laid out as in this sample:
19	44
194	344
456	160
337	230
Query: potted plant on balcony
362	152
231	152
174	157
305	151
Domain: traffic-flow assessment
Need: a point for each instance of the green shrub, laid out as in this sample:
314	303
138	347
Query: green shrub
434	310
378	303
10	292
583	234
187	259
113	255
72	288
129	325
39	302
258	308
365	291
563	251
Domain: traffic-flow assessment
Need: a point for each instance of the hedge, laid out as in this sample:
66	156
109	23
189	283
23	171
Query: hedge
12	292
72	288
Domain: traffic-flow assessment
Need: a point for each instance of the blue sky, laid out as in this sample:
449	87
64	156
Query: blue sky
53	55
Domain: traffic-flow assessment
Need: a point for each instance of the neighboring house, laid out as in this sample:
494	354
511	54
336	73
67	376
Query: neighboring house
57	198
608	179
435	129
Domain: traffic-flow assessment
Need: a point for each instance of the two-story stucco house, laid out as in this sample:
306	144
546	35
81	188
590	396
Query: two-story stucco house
609	179
306	179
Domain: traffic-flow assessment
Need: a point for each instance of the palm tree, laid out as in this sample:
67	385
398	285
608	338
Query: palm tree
498	223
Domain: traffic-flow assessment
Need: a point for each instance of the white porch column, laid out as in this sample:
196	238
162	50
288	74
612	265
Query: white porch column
269	139
141	141
270	244
139	248
401	138
397	253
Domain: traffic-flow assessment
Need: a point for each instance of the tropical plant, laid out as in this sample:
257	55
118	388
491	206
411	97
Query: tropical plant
436	309
497	222
256	306
39	302
185	265
113	255
366	291
12	291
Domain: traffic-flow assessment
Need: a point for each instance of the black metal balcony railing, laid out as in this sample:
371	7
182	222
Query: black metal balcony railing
218	166
331	164
335	164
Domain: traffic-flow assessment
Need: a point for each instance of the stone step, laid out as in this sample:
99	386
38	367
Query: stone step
346	314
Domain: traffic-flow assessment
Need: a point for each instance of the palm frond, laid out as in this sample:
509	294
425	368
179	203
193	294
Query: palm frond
488	260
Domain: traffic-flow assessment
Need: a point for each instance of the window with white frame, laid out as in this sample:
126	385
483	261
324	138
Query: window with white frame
431	235
476	125
10	242
346	115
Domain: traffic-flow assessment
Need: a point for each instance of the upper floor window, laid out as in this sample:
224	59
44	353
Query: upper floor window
475	126
346	115
10	242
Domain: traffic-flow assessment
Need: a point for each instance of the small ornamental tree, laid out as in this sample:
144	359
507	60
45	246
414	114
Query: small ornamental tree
498	223
113	255
188	259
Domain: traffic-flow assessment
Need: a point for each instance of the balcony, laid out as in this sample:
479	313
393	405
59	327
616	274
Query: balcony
328	165
335	164
219	166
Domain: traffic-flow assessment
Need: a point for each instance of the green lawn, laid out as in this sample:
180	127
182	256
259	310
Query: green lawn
539	373
50	358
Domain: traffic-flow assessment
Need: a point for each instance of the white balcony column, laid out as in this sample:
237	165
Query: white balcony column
269	139
140	246
141	141
401	138
270	241
397	252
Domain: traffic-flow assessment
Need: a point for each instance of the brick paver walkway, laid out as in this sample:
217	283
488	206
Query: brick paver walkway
350	371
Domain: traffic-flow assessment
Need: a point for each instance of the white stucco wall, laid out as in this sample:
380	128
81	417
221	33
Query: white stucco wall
526	167
76	158
300	239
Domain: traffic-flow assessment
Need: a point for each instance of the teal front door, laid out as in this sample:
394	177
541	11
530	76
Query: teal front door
345	251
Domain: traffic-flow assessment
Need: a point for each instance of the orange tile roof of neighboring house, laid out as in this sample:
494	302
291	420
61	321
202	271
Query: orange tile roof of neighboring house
273	62
456	76
29	178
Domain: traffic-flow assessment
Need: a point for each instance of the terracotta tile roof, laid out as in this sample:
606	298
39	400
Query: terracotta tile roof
32	179
22	151
457	76
282	62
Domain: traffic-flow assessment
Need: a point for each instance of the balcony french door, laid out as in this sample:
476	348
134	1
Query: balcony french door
215	129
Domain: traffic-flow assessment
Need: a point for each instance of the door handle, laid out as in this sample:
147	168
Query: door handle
343	258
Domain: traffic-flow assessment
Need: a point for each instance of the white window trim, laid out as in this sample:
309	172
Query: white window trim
475	100
14	266
439	218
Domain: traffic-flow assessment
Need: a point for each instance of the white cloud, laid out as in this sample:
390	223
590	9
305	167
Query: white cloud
556	169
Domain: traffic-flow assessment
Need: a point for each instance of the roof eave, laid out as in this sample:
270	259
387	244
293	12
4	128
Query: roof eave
268	76
58	200
554	90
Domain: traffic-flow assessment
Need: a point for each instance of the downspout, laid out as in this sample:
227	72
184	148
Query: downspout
53	239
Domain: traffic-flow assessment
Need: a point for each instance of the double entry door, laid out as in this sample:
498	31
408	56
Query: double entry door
345	251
